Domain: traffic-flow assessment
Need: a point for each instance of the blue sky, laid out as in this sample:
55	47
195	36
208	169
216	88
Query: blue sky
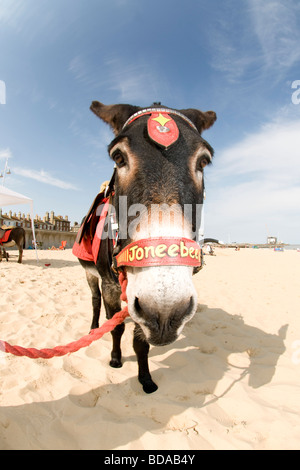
238	58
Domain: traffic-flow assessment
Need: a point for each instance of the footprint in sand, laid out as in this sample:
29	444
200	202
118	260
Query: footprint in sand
216	412
82	396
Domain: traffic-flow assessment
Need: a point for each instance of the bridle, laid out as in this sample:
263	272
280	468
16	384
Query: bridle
147	111
157	251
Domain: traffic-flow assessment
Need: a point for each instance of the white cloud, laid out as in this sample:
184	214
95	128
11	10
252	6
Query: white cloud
255	185
136	82
275	25
261	37
5	153
20	16
78	68
44	177
274	152
10	12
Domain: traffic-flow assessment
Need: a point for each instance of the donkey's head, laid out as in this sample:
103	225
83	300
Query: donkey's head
159	156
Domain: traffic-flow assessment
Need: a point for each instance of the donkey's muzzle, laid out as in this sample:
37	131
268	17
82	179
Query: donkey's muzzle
162	328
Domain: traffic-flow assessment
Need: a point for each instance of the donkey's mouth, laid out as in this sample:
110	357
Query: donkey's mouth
162	328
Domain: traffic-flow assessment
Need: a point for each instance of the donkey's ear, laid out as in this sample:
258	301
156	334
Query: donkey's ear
202	120
115	115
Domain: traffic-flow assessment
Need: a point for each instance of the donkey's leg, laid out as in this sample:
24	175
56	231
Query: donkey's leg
141	348
93	282
3	254
20	253
111	298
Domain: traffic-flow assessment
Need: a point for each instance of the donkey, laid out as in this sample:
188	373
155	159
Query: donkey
3	254
159	157
12	237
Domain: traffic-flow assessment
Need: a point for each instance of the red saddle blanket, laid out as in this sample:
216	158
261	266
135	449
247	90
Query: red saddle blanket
5	238
88	240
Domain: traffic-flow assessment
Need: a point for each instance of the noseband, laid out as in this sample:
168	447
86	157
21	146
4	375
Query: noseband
159	251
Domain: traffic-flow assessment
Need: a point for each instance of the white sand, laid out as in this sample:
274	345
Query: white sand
231	381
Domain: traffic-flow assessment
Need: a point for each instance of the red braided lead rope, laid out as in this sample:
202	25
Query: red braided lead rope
59	351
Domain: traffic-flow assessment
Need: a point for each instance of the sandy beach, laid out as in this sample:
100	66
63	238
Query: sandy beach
231	381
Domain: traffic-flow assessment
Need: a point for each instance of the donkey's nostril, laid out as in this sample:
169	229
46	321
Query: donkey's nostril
147	313
162	326
151	314
137	306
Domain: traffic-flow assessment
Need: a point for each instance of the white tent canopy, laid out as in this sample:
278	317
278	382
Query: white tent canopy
10	198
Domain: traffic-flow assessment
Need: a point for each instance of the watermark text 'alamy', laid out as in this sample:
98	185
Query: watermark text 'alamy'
2	92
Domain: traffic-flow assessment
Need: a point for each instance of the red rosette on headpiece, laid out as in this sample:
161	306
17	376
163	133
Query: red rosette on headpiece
162	129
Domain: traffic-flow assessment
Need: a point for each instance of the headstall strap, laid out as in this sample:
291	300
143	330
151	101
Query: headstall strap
144	112
162	129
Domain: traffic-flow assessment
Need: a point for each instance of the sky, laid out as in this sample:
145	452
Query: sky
239	58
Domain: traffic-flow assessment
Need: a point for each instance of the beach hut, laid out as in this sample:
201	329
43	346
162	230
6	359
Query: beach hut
10	198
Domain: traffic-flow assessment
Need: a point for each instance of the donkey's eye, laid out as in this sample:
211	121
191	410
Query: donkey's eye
119	158
201	163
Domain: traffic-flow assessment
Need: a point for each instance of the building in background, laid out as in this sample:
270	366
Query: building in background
51	230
